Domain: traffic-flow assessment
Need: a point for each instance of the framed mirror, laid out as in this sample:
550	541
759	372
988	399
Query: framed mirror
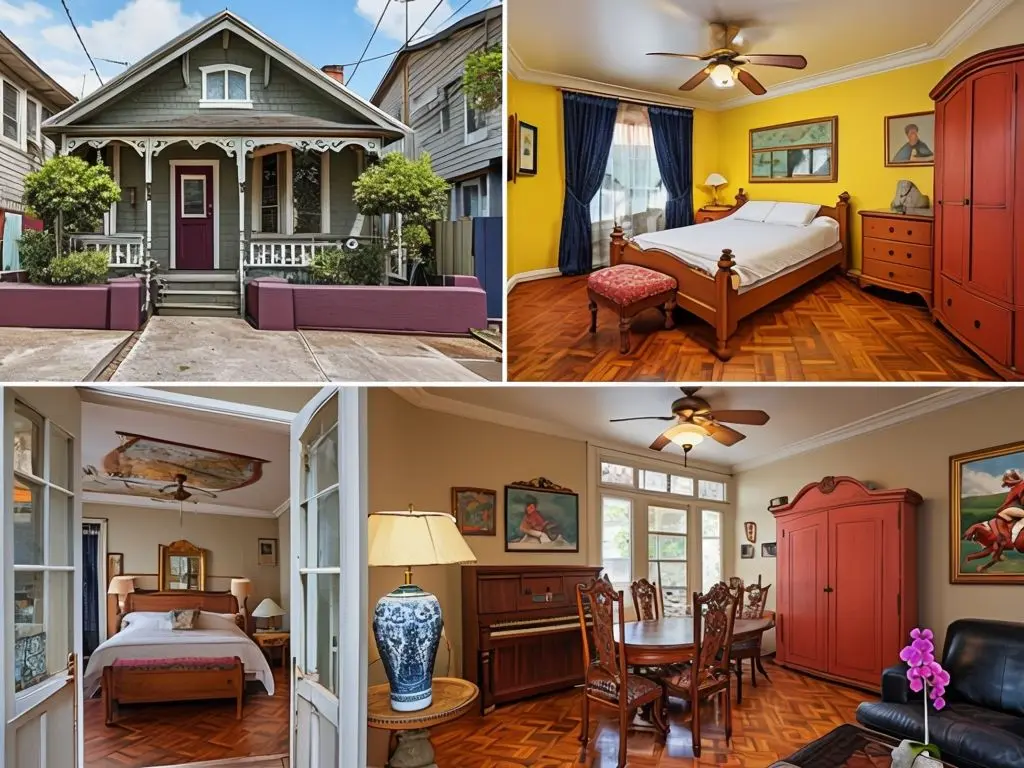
803	151
182	566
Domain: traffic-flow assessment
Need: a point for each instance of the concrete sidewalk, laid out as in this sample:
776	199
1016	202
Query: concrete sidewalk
43	354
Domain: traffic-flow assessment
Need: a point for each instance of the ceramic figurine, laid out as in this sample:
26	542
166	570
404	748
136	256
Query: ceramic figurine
908	197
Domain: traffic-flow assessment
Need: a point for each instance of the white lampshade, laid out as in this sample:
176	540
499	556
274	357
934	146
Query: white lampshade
268	609
241	589
716	180
412	537
722	76
686	434
121	585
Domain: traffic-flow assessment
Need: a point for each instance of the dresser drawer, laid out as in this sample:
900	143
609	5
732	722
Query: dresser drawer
898	273
909	254
987	326
905	231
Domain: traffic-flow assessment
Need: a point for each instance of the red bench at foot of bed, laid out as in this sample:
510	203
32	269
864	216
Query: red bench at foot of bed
149	681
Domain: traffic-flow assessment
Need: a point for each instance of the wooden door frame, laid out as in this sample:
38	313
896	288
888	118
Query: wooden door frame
173	167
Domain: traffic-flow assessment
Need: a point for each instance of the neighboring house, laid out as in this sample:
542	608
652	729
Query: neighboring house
423	88
232	154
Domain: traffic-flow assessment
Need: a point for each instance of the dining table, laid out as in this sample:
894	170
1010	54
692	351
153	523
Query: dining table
669	640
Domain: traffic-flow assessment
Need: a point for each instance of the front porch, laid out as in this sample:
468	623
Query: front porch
206	212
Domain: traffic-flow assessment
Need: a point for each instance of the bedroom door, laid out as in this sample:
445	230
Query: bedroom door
41	594
329	580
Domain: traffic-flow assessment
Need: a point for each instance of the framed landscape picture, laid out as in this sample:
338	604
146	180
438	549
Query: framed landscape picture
910	139
986	492
541	517
475	510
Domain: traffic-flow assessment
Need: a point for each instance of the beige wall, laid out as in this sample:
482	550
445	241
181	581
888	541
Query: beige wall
230	542
914	454
1007	28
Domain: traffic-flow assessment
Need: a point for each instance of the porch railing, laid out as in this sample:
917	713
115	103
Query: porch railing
127	250
285	252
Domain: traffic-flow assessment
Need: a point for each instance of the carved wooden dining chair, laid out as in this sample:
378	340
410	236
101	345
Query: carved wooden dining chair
751	605
606	679
709	675
646	600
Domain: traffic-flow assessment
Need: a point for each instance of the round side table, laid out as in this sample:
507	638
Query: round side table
410	745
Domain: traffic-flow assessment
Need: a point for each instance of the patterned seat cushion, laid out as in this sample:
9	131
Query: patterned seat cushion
681	681
626	284
186	663
637	687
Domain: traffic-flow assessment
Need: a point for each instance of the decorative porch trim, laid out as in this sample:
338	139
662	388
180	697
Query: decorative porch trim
174	209
315	143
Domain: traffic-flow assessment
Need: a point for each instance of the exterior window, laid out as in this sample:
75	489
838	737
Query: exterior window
269	194
711	546
11	112
471	199
711	490
226	86
306	192
616	540
32	121
446	108
474	120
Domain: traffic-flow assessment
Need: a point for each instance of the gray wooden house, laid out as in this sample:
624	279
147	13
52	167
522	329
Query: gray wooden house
423	89
232	154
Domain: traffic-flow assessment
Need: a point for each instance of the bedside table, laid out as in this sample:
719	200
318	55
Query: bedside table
897	252
713	213
268	640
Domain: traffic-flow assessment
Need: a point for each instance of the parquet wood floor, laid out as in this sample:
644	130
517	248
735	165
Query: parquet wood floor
775	720
189	732
827	330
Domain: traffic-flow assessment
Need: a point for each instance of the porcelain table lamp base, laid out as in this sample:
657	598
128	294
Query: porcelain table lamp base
407	627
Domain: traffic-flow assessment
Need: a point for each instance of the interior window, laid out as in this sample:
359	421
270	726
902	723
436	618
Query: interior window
711	546
269	195
616	539
306	192
10	112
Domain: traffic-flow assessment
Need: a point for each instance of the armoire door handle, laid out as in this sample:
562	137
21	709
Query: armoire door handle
828	589
977	324
967	201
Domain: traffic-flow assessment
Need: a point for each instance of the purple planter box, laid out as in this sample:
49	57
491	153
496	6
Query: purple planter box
276	305
114	306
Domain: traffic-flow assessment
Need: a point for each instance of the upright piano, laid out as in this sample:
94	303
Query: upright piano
520	629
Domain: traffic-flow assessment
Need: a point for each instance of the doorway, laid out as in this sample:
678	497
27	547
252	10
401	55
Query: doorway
195	214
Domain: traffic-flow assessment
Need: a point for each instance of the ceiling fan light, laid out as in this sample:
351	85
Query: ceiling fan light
723	76
686	434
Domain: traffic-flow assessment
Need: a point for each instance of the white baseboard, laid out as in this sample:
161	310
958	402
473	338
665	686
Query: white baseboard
533	274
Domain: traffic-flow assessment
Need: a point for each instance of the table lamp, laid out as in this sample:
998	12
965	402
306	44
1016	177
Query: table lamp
715	180
121	586
270	611
407	622
241	589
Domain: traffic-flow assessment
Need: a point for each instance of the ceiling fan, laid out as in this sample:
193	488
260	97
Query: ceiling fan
695	420
725	64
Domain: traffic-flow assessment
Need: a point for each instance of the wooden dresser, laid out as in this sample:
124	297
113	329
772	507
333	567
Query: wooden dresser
520	630
897	252
846	579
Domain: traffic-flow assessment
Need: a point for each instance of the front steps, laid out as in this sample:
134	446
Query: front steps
200	293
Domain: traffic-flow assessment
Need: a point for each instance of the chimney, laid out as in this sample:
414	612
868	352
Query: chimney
335	72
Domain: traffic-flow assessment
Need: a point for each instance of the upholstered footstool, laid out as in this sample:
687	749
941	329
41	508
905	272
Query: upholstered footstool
629	290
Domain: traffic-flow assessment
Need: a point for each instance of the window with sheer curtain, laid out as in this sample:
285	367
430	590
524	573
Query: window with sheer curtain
632	194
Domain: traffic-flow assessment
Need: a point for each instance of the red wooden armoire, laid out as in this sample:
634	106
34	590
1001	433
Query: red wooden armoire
847	579
979	206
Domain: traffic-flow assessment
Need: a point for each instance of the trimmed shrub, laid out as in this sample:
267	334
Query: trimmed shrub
37	250
79	268
363	266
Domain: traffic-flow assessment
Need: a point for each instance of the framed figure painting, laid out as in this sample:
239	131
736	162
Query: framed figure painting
987	516
541	517
526	143
474	510
910	139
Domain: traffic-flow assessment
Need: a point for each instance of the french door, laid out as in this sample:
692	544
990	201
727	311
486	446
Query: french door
41	596
329	580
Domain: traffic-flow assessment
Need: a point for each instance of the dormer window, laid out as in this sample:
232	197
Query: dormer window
226	86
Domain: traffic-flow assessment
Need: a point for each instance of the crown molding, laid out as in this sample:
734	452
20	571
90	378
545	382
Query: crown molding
144	502
970	21
936	401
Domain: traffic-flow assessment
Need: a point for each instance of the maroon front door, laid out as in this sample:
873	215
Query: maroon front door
193	216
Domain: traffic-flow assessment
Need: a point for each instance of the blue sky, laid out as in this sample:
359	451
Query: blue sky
320	31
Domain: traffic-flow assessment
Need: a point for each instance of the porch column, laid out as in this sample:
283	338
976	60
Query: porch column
240	158
149	198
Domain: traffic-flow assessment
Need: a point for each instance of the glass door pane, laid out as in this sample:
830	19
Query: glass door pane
711	547
667	556
616	540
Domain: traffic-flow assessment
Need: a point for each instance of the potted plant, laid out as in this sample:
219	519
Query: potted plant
926	676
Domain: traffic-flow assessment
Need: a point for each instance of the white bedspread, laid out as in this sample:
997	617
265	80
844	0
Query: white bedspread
760	250
145	643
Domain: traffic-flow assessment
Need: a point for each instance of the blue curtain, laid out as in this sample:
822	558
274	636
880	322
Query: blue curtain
589	130
673	144
90	588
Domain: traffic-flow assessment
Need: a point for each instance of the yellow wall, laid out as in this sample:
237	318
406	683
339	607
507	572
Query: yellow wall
861	106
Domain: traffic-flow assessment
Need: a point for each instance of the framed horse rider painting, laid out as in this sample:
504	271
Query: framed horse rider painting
987	516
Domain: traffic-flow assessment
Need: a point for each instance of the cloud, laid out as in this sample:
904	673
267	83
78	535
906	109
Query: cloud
24	14
975	483
393	25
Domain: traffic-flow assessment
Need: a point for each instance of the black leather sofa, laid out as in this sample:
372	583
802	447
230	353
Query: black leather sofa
982	724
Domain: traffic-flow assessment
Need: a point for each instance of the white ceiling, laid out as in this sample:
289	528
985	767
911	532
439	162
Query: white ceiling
605	41
800	417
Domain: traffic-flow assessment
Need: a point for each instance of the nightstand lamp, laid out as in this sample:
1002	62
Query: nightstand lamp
715	180
241	589
121	586
407	622
270	611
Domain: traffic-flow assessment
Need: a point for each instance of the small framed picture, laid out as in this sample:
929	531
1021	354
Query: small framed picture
115	565
475	510
526	143
910	139
267	553
512	161
769	549
750	531
747	551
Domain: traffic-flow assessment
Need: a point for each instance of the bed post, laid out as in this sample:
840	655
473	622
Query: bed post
741	198
723	314
843	214
618	246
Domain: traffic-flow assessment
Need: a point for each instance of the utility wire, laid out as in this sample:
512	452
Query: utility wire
113	61
387	4
81	41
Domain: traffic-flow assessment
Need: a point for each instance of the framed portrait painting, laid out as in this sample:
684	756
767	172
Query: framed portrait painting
475	510
526	150
541	517
266	552
910	139
986	496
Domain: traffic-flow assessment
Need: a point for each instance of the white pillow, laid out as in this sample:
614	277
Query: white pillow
792	214
147	620
826	221
208	620
754	210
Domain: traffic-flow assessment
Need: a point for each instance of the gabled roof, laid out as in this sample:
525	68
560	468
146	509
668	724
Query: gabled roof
204	30
33	75
480	17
